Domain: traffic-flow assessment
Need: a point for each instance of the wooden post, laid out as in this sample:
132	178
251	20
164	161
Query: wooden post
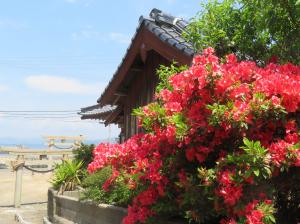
65	157
18	184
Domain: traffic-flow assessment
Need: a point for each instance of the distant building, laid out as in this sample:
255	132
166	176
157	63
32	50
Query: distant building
157	41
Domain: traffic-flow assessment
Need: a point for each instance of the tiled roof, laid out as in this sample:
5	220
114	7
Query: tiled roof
96	112
167	27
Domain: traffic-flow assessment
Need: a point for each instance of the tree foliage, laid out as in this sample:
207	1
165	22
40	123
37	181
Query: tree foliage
260	30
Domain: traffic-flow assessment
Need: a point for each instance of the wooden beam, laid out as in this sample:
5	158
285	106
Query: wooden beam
165	50
111	118
136	69
38	152
144	51
120	93
60	137
143	36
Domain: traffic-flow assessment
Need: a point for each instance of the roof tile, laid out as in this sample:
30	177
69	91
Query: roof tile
166	27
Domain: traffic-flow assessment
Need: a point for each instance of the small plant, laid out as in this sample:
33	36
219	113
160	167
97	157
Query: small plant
119	194
85	154
67	175
92	184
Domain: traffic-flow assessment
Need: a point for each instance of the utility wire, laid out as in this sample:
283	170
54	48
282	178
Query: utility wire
37	111
50	117
45	114
34	115
54	57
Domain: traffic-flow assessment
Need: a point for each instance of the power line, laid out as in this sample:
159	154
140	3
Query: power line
37	111
42	117
54	119
54	57
46	113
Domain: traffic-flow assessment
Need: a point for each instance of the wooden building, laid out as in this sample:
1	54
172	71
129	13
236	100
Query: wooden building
157	41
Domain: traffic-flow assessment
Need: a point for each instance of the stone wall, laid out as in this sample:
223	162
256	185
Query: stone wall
67	209
63	209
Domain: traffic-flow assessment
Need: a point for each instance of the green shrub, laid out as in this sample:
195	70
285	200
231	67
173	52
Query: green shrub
67	175
85	154
119	194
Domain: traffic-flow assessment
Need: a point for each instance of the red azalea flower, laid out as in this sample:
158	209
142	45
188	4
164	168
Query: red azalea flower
255	217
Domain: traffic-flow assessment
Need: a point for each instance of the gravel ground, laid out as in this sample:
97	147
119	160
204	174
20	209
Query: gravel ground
34	196
31	213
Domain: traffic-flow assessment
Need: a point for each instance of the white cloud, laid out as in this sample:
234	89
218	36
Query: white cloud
90	33
3	88
57	84
120	38
87	34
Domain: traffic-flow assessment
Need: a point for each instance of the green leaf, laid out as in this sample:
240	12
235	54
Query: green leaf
247	142
248	173
268	171
272	218
297	145
256	172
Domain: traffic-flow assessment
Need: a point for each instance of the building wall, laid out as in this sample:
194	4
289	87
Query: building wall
141	91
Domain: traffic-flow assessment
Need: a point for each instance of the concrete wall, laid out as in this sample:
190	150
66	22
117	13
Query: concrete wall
64	209
67	209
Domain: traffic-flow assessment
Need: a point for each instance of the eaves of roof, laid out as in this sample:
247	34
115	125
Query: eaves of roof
96	112
170	34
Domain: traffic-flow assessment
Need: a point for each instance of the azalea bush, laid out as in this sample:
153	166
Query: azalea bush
221	145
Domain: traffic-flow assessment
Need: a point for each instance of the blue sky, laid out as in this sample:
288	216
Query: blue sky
60	54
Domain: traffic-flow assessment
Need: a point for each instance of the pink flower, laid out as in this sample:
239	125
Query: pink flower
173	107
231	59
190	154
165	94
255	217
228	221
231	194
275	100
226	177
278	152
290	126
209	51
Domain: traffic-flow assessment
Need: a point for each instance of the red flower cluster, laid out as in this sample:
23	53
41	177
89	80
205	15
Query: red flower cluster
205	111
255	217
229	190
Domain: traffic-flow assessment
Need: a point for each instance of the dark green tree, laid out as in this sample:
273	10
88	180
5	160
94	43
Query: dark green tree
253	29
85	154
